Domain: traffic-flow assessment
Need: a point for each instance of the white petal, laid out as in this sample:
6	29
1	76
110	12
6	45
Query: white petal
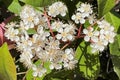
63	14
70	57
94	39
76	21
101	48
102	37
86	38
85	31
70	37
73	17
111	40
67	51
51	66
60	30
82	21
58	36
96	33
35	74
34	67
105	42
65	64
64	39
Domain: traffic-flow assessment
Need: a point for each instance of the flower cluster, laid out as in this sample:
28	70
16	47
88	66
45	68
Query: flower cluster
100	37
66	31
29	17
82	13
41	45
48	41
56	9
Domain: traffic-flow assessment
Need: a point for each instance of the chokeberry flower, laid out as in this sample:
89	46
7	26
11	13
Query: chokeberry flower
56	9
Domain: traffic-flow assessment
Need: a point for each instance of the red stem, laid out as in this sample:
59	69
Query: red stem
65	45
49	25
79	31
2	25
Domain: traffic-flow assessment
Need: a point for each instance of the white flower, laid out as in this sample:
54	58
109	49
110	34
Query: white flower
68	55
24	44
90	35
38	42
85	9
42	33
66	33
56	9
70	65
98	46
29	16
12	25
38	71
42	21
54	44
57	25
107	31
12	34
25	58
56	66
78	18
91	18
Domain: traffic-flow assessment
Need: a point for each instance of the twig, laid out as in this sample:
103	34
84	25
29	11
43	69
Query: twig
48	22
21	73
65	45
79	31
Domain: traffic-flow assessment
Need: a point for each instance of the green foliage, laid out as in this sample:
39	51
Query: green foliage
115	47
7	66
113	19
104	6
88	62
31	31
38	3
15	7
115	54
59	75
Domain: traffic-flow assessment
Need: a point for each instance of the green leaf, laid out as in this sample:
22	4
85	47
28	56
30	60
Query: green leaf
113	19
7	66
29	75
31	31
87	24
115	47
104	6
115	54
88	62
38	3
116	63
15	7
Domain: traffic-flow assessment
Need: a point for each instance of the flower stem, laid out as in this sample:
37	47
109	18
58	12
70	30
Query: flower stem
79	31
48	22
65	45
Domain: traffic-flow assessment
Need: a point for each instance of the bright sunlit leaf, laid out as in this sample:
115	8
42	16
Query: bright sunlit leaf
7	66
